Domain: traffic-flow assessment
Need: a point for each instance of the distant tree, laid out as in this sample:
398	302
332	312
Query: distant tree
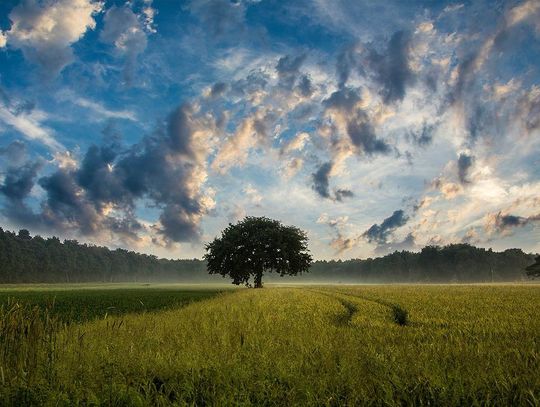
24	234
534	269
257	245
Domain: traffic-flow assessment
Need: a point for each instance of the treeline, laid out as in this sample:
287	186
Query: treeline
27	259
460	263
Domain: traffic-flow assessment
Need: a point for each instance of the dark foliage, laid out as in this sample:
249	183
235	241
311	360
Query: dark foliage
458	263
534	269
257	245
33	259
27	259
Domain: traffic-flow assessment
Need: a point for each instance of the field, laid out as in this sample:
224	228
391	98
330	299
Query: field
83	302
305	345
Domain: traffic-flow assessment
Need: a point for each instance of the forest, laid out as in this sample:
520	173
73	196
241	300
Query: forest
34	259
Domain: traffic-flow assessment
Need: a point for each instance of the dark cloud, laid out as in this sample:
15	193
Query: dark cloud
343	193
424	137
391	68
65	206
217	89
464	164
321	184
15	153
255	81
379	233
321	180
363	135
177	223
100	195
359	127
97	178
18	181
346	62
501	222
345	99
180	129
288	69
305	87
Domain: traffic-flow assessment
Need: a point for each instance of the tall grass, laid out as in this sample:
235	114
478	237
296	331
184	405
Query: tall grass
465	345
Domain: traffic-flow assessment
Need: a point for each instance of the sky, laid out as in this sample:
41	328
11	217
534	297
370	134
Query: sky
373	126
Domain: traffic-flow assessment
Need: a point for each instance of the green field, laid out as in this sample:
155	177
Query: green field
306	345
83	302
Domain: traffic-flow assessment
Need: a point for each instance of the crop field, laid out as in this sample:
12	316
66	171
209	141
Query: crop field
82	302
305	345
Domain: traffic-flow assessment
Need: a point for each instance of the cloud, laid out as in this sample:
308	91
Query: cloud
305	87
528	110
219	17
19	180
45	31
15	153
343	193
253	194
320	180
65	207
98	109
528	11
217	90
424	136
379	233
391	69
288	69
346	62
292	166
464	164
345	108
339	242
252	132
28	122
126	32
363	135
503	223
166	169
408	243
297	143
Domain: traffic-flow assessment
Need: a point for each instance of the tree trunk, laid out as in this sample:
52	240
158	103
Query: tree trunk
258	280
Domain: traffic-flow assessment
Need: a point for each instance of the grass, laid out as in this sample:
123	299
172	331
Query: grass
459	345
77	303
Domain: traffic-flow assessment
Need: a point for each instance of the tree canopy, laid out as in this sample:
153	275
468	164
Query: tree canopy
534	269
257	245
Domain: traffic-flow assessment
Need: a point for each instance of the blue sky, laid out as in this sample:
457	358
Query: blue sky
375	126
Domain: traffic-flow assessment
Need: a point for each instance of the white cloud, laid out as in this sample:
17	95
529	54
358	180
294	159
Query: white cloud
100	111
30	125
46	31
104	112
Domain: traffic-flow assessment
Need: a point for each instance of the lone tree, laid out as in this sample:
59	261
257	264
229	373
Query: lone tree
257	245
534	269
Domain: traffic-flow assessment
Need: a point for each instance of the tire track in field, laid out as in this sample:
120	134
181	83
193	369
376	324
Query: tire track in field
399	314
350	307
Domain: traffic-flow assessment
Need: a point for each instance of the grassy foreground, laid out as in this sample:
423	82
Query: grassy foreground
364	345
